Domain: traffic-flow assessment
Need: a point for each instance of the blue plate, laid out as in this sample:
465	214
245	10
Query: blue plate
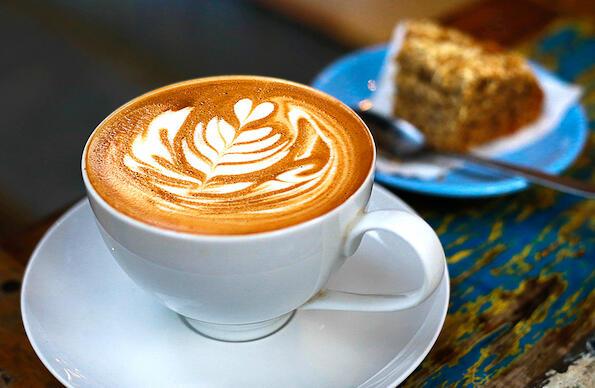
347	79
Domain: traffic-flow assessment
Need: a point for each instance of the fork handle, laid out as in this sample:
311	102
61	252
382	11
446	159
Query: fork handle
560	183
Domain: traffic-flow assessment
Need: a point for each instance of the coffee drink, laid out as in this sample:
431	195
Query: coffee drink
229	155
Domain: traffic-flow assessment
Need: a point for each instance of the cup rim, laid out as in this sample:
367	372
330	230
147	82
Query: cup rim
162	231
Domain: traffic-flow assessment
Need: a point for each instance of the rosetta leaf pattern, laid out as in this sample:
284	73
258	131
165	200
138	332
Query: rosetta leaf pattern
218	157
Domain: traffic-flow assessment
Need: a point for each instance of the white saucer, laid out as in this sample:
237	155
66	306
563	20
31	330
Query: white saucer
91	326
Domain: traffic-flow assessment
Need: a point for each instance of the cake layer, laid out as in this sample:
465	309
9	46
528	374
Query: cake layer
460	92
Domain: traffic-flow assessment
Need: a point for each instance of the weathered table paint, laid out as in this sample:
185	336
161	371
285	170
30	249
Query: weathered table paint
523	266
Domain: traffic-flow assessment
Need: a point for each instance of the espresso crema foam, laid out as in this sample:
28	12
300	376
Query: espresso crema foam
229	155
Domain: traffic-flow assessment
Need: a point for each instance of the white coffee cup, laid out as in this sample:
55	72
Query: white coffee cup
244	287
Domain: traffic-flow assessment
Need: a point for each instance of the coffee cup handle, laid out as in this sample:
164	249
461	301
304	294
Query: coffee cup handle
416	233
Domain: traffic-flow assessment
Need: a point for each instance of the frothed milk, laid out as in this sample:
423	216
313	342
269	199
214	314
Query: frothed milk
229	155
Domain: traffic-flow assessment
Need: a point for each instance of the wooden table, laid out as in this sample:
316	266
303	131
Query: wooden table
522	266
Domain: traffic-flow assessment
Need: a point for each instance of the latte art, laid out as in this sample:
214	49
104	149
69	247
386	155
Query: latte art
229	155
247	166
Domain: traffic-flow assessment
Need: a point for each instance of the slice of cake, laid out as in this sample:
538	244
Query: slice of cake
460	92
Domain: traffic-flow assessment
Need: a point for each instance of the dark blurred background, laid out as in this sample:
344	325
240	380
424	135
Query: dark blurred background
66	64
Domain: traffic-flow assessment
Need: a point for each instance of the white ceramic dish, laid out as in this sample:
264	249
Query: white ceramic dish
91	326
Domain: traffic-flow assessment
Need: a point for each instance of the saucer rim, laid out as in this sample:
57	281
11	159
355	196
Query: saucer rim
378	379
24	286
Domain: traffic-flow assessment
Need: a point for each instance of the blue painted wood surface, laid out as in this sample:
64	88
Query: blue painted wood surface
523	266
